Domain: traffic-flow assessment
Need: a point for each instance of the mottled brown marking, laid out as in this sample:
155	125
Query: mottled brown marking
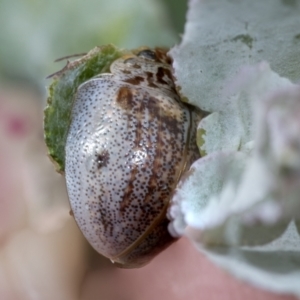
104	217
168	73
173	125
102	159
161	72
150	80
135	80
153	106
149	75
155	112
161	54
126	202
136	66
126	72
125	98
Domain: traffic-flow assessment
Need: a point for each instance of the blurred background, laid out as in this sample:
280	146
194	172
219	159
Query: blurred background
34	32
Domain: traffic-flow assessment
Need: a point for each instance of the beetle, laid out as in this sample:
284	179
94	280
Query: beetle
130	140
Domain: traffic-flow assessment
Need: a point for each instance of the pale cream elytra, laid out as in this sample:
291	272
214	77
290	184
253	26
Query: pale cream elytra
129	141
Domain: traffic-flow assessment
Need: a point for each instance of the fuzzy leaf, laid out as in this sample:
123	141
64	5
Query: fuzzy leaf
238	207
61	92
220	37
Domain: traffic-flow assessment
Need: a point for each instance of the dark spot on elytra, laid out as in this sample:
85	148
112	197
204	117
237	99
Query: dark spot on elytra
102	159
126	72
161	72
149	75
125	98
150	80
135	81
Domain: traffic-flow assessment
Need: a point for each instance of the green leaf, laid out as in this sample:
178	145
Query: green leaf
61	93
